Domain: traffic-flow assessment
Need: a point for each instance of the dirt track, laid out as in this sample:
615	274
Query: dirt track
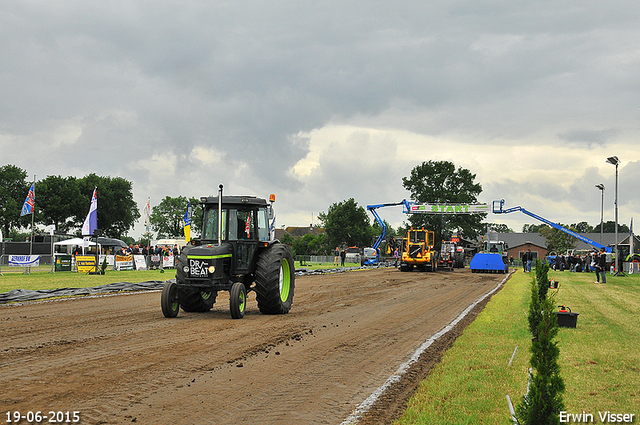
117	360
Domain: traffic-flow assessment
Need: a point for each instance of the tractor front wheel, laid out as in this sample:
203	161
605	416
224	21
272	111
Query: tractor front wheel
238	300
169	300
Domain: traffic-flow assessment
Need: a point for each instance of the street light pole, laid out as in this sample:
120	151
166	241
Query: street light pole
601	187
615	161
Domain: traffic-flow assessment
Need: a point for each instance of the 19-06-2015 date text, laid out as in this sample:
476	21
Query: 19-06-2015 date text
38	417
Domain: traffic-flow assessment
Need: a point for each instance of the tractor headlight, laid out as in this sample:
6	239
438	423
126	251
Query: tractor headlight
186	269
212	269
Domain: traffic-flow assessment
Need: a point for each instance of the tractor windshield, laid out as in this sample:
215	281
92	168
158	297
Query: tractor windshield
210	220
496	247
417	236
448	247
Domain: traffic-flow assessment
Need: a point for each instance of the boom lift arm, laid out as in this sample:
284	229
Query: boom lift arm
373	209
497	209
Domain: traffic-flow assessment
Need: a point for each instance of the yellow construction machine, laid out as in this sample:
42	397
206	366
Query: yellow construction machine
417	251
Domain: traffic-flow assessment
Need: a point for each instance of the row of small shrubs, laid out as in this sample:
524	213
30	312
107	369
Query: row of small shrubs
543	402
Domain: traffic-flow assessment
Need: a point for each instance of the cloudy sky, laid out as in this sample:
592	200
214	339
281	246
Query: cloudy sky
319	102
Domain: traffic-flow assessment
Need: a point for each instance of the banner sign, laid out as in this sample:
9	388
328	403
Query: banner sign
167	261
124	262
140	262
63	263
154	263
86	263
24	260
109	258
449	208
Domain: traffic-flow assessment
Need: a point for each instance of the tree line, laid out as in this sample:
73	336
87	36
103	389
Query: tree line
346	223
432	182
64	203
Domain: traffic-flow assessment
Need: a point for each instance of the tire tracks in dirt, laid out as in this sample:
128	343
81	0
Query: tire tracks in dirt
117	359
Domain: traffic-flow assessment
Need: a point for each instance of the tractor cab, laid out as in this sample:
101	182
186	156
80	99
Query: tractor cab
243	229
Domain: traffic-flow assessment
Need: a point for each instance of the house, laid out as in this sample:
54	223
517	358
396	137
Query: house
299	231
519	243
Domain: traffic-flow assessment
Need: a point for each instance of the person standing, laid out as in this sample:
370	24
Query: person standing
602	261
343	255
336	256
525	259
529	259
396	255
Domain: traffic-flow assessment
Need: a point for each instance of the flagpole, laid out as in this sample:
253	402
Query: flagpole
33	213
1	251
53	255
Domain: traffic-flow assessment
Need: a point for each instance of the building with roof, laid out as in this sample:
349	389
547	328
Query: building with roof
299	231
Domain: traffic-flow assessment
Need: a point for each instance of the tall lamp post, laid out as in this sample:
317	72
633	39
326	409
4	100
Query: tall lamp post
615	161
601	187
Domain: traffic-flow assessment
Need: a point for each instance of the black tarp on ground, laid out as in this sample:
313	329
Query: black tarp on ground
19	295
29	295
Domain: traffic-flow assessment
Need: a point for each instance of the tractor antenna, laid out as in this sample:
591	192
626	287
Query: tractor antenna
220	215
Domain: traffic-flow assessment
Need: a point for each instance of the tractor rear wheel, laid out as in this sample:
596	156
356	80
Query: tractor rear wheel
237	300
169	300
275	279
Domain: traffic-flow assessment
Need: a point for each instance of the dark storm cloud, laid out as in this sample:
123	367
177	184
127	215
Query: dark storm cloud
125	87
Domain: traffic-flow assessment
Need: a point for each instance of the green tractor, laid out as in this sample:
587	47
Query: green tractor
237	254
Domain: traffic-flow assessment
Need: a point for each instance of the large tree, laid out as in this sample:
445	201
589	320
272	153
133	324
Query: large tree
583	227
346	223
58	201
434	182
117	211
610	227
167	218
500	228
13	191
532	228
557	240
310	244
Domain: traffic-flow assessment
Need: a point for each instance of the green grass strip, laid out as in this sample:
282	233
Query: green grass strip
41	278
600	359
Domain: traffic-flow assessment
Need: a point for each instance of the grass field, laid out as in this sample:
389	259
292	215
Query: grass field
600	359
41	278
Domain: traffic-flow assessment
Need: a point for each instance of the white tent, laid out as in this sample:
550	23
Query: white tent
72	242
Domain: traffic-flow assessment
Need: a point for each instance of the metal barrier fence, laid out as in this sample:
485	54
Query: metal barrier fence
44	260
314	259
325	259
45	265
142	262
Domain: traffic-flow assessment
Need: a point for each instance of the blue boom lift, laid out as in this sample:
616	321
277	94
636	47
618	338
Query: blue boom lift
372	255
498	209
